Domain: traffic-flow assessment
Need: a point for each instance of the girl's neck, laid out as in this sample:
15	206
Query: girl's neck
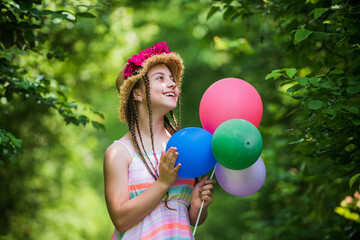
160	135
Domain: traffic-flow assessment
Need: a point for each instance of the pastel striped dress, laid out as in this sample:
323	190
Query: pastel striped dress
162	223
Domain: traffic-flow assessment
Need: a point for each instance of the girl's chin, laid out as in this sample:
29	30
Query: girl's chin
169	108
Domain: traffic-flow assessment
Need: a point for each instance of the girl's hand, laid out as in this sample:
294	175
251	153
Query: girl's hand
167	172
203	191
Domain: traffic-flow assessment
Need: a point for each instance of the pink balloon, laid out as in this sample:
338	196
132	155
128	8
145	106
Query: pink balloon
230	98
242	183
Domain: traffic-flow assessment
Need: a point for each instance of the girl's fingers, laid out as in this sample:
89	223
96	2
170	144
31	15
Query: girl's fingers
210	181
177	167
202	182
170	155
206	192
174	158
163	156
206	198
207	187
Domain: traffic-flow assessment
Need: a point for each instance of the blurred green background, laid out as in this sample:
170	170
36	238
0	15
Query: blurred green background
58	109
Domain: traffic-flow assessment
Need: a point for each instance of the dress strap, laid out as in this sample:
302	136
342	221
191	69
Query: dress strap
123	143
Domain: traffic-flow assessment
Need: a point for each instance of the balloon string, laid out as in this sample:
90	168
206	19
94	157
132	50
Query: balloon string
202	204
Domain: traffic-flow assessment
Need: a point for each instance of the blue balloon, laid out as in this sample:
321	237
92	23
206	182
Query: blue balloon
194	148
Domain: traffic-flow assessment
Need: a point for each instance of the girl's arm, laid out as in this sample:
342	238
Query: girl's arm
203	191
125	212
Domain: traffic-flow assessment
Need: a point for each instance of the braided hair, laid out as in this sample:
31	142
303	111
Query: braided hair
134	127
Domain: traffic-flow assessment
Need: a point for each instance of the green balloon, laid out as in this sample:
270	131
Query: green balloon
236	144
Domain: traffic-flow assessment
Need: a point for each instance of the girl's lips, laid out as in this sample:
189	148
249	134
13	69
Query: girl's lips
169	94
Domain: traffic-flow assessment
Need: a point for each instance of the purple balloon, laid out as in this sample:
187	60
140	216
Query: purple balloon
244	182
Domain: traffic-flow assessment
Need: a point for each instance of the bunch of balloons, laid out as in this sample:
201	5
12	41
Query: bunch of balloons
230	112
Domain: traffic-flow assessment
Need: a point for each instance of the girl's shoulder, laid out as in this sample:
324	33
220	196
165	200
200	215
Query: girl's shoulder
120	150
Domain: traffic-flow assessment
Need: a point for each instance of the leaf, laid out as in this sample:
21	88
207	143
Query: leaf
353	179
326	84
274	74
303	81
34	12
352	109
46	12
283	83
97	125
328	111
293	111
71	105
314	81
320	35
69	16
89	6
315	104
85	15
98	113
337	71
298	97
356	121
212	11
83	120
318	12
229	12
16	141
301	35
353	90
294	88
8	57
290	72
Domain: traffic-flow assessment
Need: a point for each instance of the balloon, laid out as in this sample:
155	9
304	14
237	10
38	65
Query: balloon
242	183
194	148
227	99
236	144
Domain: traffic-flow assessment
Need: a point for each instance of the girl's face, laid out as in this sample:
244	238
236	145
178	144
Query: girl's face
164	92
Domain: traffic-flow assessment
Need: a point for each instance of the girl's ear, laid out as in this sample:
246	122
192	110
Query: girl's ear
138	94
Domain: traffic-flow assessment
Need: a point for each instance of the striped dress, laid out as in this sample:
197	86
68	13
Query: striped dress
162	223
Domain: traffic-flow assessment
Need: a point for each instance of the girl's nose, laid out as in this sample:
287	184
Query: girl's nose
170	83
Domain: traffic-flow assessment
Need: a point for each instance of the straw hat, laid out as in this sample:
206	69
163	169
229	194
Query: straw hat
138	65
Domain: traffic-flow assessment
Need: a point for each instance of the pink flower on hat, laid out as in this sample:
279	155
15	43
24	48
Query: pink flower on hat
136	61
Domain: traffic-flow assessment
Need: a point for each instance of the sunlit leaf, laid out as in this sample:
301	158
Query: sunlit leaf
302	34
290	72
274	74
319	11
303	81
353	179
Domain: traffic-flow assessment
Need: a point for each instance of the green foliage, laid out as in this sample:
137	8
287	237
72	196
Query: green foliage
32	161
10	146
23	33
324	80
353	179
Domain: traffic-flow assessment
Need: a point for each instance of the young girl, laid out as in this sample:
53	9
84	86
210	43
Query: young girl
145	197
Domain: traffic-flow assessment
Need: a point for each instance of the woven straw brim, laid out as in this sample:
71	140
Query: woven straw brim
124	86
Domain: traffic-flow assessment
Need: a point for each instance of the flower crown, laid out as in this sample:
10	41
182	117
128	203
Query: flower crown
135	63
